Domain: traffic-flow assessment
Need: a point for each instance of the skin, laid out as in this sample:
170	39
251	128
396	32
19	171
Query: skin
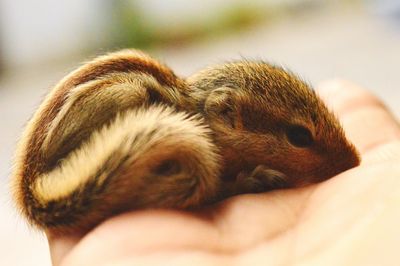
351	219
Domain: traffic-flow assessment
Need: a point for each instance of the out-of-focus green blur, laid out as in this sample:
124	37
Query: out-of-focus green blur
41	41
47	31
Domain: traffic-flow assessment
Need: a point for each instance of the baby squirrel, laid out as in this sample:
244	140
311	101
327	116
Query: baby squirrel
124	132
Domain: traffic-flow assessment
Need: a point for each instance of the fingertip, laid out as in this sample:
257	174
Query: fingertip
366	120
343	96
336	84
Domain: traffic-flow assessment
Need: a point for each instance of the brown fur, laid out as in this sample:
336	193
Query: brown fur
88	101
98	146
261	103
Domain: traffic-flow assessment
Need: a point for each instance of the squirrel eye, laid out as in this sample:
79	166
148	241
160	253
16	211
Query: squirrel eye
300	136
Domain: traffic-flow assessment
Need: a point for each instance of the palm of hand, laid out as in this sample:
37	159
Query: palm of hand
351	219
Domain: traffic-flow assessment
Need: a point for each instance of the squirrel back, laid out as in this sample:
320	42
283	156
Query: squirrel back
103	136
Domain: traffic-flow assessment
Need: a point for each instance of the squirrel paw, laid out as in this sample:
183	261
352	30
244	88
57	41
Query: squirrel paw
260	180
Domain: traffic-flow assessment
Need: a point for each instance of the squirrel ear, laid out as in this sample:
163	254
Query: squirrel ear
220	105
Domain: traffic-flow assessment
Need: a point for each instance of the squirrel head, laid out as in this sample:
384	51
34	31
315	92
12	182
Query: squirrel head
263	114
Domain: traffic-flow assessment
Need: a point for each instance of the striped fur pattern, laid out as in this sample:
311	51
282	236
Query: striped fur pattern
115	134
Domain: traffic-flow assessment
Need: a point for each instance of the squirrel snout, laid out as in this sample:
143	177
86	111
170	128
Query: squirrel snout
340	162
349	160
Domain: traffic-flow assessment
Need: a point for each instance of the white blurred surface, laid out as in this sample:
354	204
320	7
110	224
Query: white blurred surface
47	30
337	43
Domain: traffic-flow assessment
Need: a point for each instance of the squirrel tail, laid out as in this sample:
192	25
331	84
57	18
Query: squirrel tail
145	157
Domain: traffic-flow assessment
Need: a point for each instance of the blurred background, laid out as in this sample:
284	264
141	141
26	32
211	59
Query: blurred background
41	41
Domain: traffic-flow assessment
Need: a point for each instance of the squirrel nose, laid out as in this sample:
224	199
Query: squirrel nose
346	160
339	162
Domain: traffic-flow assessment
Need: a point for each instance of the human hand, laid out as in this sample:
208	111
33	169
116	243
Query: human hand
351	219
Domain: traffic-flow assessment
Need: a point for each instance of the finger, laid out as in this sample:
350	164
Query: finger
366	120
220	229
61	246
